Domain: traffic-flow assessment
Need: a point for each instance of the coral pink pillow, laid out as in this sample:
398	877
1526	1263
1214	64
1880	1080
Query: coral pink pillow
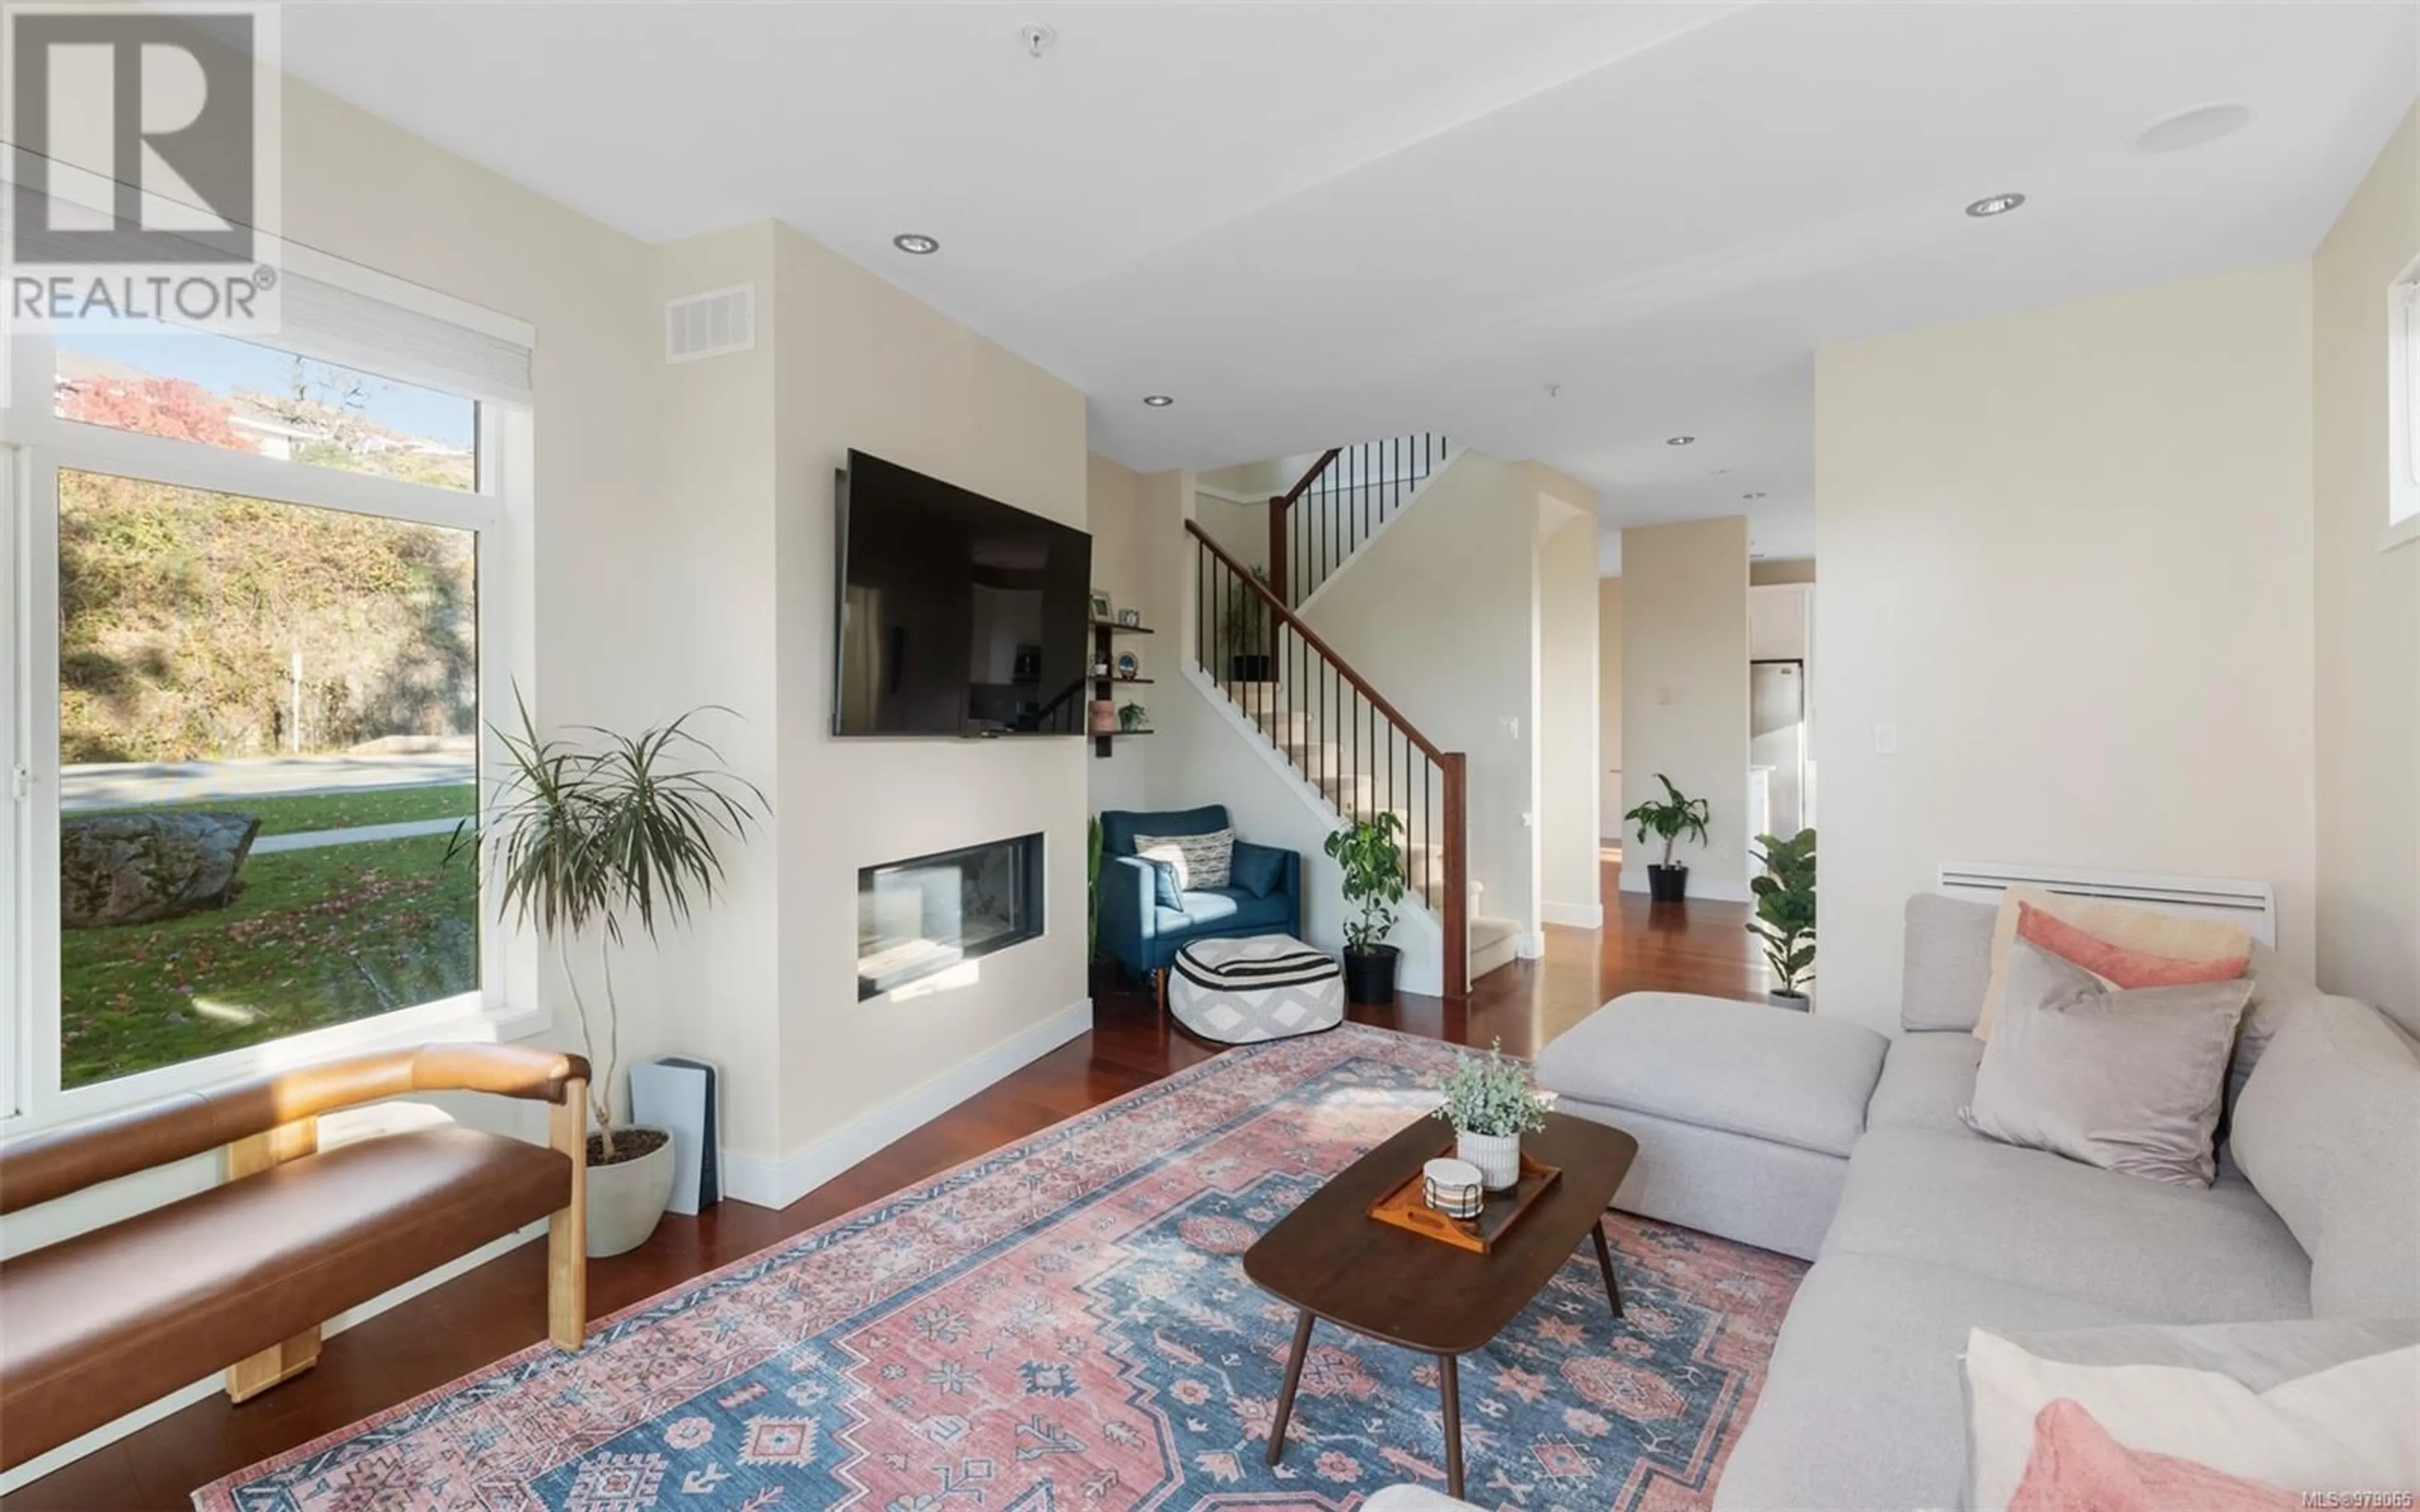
2077	1467
2114	964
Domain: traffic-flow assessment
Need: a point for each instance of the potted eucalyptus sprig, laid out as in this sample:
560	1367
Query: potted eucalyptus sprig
1669	819
1374	885
1785	914
586	841
1491	1105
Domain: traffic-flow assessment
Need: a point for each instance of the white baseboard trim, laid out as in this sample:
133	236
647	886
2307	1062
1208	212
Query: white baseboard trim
1530	944
176	1401
1573	916
1727	892
777	1183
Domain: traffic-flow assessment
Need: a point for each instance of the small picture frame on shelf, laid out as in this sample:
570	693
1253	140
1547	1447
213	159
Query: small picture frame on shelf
1101	612
1129	666
1130	618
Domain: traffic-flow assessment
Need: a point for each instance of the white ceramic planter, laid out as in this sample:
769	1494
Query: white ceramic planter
1497	1157
627	1200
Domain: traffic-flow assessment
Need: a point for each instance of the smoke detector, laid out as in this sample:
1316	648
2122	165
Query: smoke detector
1036	38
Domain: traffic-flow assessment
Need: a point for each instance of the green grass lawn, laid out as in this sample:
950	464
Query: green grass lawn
316	937
333	810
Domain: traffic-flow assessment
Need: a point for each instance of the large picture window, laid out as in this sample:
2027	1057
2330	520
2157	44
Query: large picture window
258	601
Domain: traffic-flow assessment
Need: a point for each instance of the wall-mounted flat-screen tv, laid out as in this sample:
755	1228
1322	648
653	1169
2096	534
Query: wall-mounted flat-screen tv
959	615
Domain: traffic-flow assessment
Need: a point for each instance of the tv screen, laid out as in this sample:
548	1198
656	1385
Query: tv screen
959	615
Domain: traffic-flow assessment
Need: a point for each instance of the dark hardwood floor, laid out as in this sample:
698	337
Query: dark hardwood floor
1698	947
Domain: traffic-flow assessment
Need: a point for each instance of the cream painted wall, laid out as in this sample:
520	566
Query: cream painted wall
1468	545
1568	720
2369	604
1685	690
2068	554
1611	805
860	363
1123	565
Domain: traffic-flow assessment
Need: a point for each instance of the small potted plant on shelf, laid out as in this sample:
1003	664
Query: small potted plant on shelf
1669	818
1133	719
1785	914
583	844
1374	885
1491	1105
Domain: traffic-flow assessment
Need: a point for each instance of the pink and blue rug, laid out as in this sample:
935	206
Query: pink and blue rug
1065	1324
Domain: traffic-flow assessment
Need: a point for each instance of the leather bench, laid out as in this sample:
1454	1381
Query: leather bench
242	1276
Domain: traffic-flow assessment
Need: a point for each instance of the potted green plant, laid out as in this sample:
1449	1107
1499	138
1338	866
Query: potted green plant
1491	1105
1247	626
1374	885
1669	818
1785	914
583	844
1133	719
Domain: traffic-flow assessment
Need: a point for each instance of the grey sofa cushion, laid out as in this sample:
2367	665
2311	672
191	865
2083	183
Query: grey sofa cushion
1926	1078
1793	1078
1946	962
2328	1130
1862	1406
2127	1081
2165	1254
1773	1195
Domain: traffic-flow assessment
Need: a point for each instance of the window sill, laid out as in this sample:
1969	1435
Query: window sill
2402	533
430	1023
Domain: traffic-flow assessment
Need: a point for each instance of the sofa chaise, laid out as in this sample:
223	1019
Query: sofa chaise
1832	1142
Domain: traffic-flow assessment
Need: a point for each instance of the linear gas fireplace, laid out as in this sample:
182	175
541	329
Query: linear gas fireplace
921	917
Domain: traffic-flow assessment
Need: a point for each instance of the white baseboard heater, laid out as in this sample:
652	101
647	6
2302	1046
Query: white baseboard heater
2252	905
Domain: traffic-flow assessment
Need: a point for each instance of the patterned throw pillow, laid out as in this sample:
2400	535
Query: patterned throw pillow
1201	861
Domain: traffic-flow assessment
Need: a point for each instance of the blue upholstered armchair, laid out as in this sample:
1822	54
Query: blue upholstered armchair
1142	925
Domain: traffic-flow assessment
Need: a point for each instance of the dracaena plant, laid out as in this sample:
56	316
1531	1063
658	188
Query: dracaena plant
1373	878
590	840
1784	907
1671	817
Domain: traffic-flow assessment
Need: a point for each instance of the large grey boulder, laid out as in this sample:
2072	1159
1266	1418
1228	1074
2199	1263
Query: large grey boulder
136	868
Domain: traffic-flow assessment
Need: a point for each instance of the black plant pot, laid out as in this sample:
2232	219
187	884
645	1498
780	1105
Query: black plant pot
1369	978
1667	884
1248	668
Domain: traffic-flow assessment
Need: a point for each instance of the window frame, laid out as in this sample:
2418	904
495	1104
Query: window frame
2402	525
36	445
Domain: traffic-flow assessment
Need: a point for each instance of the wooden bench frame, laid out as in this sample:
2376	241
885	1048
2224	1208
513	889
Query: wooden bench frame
260	1124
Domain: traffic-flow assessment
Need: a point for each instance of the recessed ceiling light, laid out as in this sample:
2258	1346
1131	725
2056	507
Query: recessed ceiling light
916	243
1158	401
2194	127
1751	496
1680	440
1991	205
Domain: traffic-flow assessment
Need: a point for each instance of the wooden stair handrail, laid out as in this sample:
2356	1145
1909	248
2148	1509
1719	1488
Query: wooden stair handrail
1286	617
1326	458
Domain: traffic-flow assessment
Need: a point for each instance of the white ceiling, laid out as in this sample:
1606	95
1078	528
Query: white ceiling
1317	222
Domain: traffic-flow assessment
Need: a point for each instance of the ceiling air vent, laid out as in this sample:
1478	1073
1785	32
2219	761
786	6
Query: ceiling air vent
711	324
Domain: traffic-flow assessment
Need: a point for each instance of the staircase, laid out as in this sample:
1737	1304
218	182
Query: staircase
1348	495
1336	731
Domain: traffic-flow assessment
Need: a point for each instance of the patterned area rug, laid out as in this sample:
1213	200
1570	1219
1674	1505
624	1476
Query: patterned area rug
1065	1324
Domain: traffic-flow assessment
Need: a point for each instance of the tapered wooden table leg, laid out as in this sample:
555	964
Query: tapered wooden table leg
1449	1388
1292	1379
1605	1263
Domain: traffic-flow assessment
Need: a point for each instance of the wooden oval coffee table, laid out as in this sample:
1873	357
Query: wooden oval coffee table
1331	1259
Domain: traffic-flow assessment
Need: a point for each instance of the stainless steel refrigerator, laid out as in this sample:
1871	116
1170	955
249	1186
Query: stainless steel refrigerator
1776	737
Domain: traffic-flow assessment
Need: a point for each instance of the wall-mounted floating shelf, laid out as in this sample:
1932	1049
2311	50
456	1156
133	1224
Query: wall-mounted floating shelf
1104	684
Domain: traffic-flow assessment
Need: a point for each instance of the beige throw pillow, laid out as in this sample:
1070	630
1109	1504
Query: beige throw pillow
2126	1081
2121	924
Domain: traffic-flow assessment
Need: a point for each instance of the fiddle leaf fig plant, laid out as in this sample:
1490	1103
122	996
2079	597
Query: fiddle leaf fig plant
1373	878
1785	908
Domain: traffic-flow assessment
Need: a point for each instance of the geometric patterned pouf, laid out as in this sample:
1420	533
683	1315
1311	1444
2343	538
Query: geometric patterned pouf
1259	987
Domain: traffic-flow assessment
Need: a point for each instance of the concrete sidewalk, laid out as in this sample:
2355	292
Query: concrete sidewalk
312	840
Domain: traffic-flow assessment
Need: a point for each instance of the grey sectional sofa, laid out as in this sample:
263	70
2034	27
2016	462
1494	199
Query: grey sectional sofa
1826	1140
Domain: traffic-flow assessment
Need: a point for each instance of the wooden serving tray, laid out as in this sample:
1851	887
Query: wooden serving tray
1406	1207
